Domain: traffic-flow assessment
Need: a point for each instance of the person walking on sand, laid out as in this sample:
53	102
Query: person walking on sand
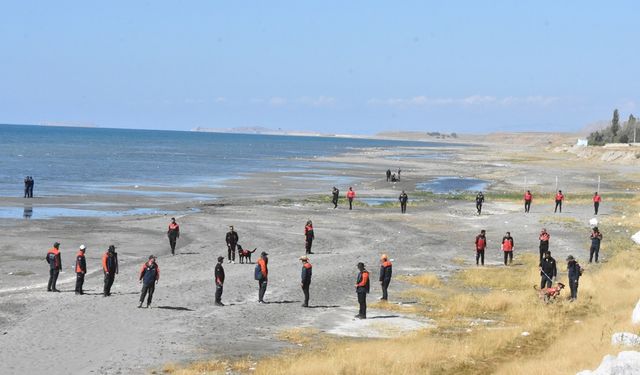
548	270
596	202
574	271
596	238
232	242
508	246
544	242
219	275
173	233
149	277
481	244
110	269
262	275
386	269
55	265
479	202
559	199
308	237
403	198
388	175
350	196
362	289
81	269
305	279
528	197
335	195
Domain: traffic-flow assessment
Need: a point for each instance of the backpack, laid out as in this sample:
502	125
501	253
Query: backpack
257	273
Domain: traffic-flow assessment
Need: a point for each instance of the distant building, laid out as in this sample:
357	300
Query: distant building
582	142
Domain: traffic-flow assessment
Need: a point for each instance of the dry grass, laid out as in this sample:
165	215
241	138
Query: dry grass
427	280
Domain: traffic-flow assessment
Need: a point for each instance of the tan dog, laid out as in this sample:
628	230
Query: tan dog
549	294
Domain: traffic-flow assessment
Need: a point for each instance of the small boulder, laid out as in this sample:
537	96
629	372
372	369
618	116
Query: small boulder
625	339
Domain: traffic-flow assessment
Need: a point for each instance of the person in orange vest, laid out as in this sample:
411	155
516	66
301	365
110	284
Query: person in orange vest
173	233
149	277
110	269
507	247
81	269
305	279
528	197
350	195
481	244
544	242
362	289
308	237
262	275
55	265
386	269
596	202
559	199
219	275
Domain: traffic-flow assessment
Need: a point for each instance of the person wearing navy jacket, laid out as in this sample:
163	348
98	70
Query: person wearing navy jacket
149	276
305	279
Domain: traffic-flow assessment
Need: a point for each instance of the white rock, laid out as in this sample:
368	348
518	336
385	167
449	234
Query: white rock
525	334
593	222
635	317
636	238
626	363
625	339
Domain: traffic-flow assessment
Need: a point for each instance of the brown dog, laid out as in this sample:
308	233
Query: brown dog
245	254
549	294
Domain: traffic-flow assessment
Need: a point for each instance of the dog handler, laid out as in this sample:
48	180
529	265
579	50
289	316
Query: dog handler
548	270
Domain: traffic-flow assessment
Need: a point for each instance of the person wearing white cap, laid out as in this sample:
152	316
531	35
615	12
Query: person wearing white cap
81	269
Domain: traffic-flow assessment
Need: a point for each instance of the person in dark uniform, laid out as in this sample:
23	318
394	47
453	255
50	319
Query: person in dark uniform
479	202
262	275
81	269
308	237
232	242
305	279
149	277
26	187
30	187
596	238
219	275
481	244
335	195
55	265
110	269
548	270
403	198
385	275
362	288
173	233
544	242
574	271
388	175
596	202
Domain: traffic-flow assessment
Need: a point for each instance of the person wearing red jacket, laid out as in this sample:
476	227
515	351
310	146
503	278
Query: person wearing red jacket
110	269
544	242
149	277
508	246
362	288
528	197
350	196
308	237
81	269
55	265
173	233
481	244
559	199
596	202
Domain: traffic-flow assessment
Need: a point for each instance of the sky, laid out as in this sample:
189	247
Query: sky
358	67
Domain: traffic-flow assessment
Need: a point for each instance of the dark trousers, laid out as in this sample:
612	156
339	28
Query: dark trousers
593	251
403	207
305	290
262	289
362	301
480	256
307	245
53	278
543	249
219	293
147	290
30	192
172	243
79	282
385	286
231	250
596	205
108	283
479	208
350	203
558	205
335	202
26	192
545	282
573	285
527	206
509	255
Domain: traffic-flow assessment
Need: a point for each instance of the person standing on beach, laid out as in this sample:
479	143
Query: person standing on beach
350	195
110	269
305	279
399	170
81	269
149	277
528	197
335	195
479	202
559	199
403	198
219	275
262	275
544	242
596	202
574	271
232	242
362	289
386	269
388	175
548	270
173	233
596	238
26	187
507	248
55	265
308	237
481	244
31	183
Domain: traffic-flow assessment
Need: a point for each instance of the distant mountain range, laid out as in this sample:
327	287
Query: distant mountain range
266	131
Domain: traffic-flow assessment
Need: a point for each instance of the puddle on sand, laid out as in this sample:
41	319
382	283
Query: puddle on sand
377	201
30	212
445	185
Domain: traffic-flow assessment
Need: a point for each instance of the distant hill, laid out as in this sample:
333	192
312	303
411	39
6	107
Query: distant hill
264	131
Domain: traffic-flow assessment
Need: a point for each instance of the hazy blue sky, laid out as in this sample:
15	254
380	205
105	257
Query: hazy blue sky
335	66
